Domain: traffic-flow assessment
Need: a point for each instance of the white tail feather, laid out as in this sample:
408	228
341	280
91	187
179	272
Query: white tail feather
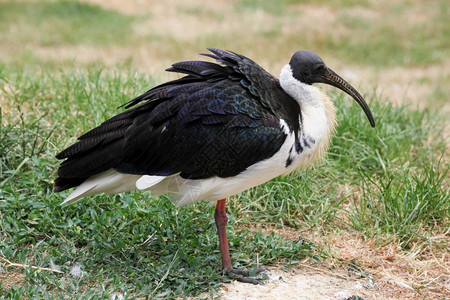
147	181
110	182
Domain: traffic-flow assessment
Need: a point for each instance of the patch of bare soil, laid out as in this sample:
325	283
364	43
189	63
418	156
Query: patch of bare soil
317	283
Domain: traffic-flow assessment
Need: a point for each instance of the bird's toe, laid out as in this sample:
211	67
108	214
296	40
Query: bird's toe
247	276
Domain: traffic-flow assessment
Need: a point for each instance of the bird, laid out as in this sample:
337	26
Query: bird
225	126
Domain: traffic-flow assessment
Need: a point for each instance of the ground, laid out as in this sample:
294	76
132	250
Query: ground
387	272
308	284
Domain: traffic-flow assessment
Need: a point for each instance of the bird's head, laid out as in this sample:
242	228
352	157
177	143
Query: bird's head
307	67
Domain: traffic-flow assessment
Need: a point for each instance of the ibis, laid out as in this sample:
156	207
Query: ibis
222	128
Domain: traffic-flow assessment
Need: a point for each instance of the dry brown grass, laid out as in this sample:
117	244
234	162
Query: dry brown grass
176	19
397	274
12	278
184	28
418	268
5	104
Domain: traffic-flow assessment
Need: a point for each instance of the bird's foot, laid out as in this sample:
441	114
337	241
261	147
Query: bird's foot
246	276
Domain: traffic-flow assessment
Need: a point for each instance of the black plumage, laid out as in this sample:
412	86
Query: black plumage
216	121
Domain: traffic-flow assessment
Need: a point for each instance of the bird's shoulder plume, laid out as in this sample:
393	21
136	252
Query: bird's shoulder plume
232	66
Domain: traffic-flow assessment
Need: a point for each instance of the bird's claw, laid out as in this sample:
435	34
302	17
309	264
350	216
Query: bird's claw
244	275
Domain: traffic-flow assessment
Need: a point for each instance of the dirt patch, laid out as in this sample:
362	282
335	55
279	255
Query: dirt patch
317	283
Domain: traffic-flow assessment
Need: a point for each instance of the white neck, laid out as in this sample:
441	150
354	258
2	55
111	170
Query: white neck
301	92
318	119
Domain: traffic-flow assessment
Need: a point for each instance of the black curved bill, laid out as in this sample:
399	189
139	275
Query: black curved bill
331	78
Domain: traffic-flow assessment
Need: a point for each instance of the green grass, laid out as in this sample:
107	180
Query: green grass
140	246
50	23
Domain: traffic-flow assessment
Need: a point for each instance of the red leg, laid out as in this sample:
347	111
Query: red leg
221	219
